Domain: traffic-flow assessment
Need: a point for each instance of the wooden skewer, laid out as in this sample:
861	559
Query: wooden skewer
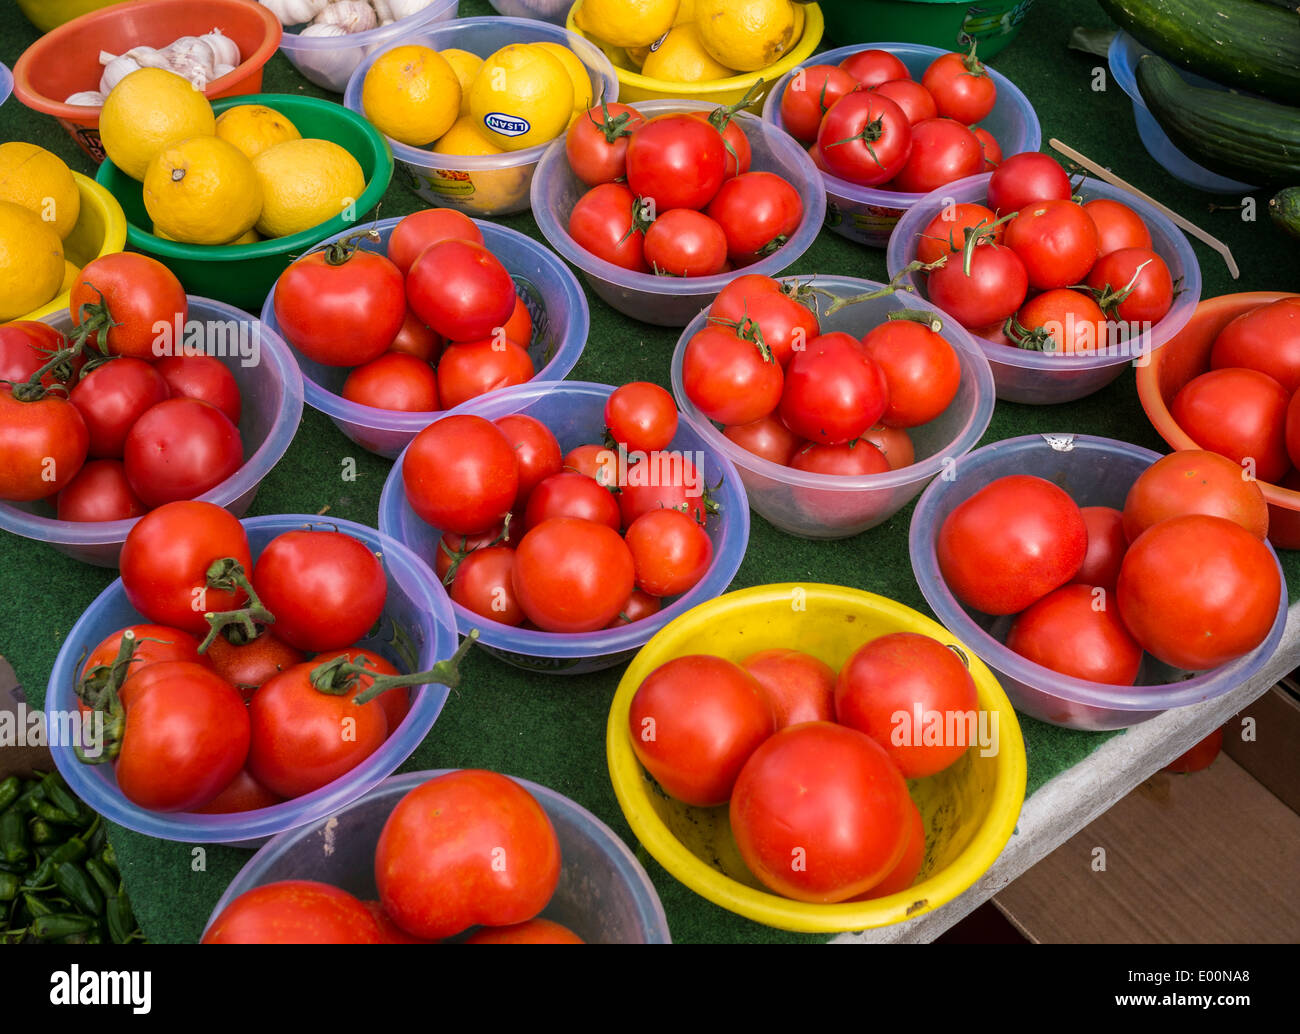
1115	181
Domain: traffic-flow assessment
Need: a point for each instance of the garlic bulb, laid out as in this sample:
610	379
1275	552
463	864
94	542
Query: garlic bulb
189	55
324	30
221	70
148	57
225	51
405	8
87	98
350	15
115	70
383	11
295	12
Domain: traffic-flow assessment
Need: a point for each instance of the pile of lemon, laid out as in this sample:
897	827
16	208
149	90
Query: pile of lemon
692	41
39	205
240	178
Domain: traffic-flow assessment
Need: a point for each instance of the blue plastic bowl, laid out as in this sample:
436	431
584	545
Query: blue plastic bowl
272	391
1096	472
1123	54
556	302
868	215
672	301
6	83
824	506
416	605
574	411
604	894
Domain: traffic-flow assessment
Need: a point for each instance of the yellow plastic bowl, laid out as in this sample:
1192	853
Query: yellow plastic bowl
100	230
970	809
633	86
50	14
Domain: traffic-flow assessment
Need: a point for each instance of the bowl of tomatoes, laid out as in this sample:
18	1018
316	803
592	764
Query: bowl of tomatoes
256	376
940	404
1032	507
868	214
962	811
416	630
602	894
1257	331
683	164
688	473
551	313
1095	337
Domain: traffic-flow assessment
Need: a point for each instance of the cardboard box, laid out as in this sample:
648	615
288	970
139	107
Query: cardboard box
1272	752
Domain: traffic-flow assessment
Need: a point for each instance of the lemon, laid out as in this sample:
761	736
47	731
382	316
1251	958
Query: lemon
685	12
31	261
71	271
484	192
145	112
305	182
637	55
254	127
745	34
39	181
249	236
521	97
797	34
578	75
411	94
626	23
466	66
202	191
681	58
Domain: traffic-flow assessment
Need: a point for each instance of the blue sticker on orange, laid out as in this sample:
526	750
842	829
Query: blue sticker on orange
506	125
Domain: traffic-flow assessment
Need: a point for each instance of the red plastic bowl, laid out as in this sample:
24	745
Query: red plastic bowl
1187	355
66	60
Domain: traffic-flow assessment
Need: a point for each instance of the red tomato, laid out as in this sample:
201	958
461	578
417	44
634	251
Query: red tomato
1198	591
180	449
537	451
466	848
1118	226
296	744
845	459
250	664
603	222
519	327
535	931
758	212
990	146
1076	631
676	161
340	309
1063	321
913	696
452	549
598	462
694	722
139	292
202	377
833	390
165	561
922	372
638	606
389	931
873	67
1266	339
421	229
683	242
1106	546
596	143
766	437
1198	757
641	416
1011	543
667	480
912	97
154	644
894	442
42	448
1240	414
799	686
418	340
730	379
1056	240
787	325
734	141
186	738
99	492
1024	179
808	95
325	588
461	475
570	494
572	575
25	346
946	232
820	813
469	369
112	397
942	151
484	584
461	290
1151	293
995	288
1293	430
864	138
244	793
396	702
294	912
394	381
904	874
670	552
961	87
1194	481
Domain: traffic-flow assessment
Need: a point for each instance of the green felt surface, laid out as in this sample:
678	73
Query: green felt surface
551	729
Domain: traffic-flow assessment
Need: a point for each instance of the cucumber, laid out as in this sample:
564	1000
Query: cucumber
1243	43
1284	210
1246	138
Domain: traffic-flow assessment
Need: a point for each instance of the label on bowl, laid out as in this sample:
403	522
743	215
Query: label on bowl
506	125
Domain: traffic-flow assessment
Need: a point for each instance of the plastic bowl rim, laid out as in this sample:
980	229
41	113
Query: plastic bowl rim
381	33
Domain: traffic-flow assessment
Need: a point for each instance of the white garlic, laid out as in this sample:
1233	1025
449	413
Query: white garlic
225	51
324	30
221	70
350	15
295	12
149	57
115	70
405	8
87	98
189	55
382	11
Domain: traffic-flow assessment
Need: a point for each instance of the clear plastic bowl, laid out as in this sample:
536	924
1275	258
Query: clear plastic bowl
6	83
481	185
272	391
561	319
604	894
1046	378
1096	472
672	301
553	11
822	506
868	215
329	61
1123	55
574	411
416	631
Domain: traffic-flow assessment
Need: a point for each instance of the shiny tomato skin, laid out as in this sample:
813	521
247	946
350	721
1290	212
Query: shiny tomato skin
1073	324
1194	481
460	290
638	606
414	338
99	492
1266	339
873	67
847	153
684	242
537	452
1198	757
534	931
603	223
676	161
24	348
942	151
922	371
483	585
946	232
1240	414
829	796
451	548
572	575
845	459
43	446
808	95
1118	226
990	146
469	847
1107	544
729	378
1076	630
996	287
915	100
1026	178
593	156
787	325
461	475
799	686
1152	293
570	494
202	377
894	442
641	416
114	396
396	702
1011	543
1292	431
904	874
757	212
139	292
389	931
243	793
766	438
663	479
395	382
294	912
734	141
154	644
694	722
961	86
249	665
469	369
1056	240
180	449
670	552
833	390
420	230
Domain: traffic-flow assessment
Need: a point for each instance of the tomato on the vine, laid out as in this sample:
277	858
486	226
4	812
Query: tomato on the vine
865	138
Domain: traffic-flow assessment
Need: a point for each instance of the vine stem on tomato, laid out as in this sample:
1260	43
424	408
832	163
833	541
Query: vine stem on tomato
1108	298
339	676
228	575
98	690
91	319
893	287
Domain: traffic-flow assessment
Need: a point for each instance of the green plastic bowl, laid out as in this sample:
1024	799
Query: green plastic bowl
242	274
950	24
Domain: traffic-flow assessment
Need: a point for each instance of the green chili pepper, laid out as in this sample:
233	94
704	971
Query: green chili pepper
98	837
18	868
71	850
9	791
36	906
97	872
57	793
14	843
28	798
51	813
48	927
8	886
109	858
70	878
121	920
44	833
